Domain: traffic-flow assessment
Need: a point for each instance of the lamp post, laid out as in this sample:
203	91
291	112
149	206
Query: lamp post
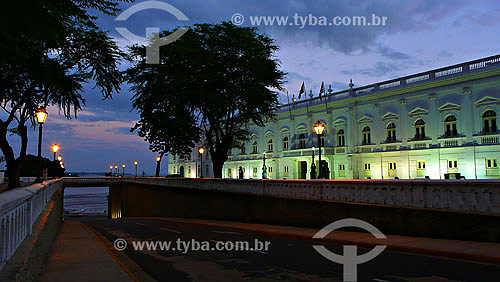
313	166
116	169
319	128
136	163
201	150
264	168
158	160
41	117
55	148
111	170
59	158
123	170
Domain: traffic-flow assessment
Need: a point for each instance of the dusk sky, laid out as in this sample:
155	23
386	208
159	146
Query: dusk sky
418	36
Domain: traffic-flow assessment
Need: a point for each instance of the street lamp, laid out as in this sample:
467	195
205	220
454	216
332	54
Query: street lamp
201	150
123	169
116	168
313	166
136	163
59	158
264	168
111	170
41	117
55	148
319	128
158	160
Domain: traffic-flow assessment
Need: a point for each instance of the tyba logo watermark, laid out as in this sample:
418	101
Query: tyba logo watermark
350	258
152	33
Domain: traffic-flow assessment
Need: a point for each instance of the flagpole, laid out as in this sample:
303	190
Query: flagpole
288	99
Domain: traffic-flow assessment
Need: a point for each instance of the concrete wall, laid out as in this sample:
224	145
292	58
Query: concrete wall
132	200
30	259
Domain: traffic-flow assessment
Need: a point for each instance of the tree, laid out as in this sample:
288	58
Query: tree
209	85
48	49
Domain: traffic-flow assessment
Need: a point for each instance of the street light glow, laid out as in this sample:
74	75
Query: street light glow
319	128
59	158
55	148
135	162
201	150
158	158
41	115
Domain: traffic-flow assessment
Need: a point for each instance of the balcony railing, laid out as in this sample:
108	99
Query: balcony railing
424	77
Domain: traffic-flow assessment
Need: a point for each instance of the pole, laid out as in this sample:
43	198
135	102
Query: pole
123	171
158	168
136	170
40	173
201	165
54	156
40	141
320	174
313	166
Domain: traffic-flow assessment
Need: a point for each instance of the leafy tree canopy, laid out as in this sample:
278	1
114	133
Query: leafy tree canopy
48	50
208	86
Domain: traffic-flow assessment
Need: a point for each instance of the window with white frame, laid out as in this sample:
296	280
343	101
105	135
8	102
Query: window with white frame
452	165
254	147
285	171
420	168
419	129
366	135
392	169
270	145
491	167
341	171
391	132
285	143
489	122
367	169
450	124
254	172
302	141
340	138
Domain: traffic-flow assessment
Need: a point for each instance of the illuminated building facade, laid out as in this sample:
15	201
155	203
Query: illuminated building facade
437	124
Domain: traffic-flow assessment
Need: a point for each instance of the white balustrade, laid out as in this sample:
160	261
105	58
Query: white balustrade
19	209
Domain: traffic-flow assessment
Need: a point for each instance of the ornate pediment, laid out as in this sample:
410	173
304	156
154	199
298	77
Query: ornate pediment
365	119
340	122
285	131
390	116
418	112
449	107
487	100
269	133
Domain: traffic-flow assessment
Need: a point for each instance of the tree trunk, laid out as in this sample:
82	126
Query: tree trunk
217	167
13	175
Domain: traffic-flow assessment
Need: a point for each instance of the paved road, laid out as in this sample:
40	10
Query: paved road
288	258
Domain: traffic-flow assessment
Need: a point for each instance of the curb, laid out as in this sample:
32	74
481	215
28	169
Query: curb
308	233
133	270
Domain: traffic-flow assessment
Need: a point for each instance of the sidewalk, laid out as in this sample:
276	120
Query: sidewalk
466	250
79	256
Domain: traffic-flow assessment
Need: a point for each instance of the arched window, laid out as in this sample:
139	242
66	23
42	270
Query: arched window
391	132
302	141
340	138
419	129
450	125
254	147
285	143
367	139
270	145
489	122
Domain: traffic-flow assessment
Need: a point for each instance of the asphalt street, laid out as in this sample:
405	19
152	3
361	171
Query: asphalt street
286	259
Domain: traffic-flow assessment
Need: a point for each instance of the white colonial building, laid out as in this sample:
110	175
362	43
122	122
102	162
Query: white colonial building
430	124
